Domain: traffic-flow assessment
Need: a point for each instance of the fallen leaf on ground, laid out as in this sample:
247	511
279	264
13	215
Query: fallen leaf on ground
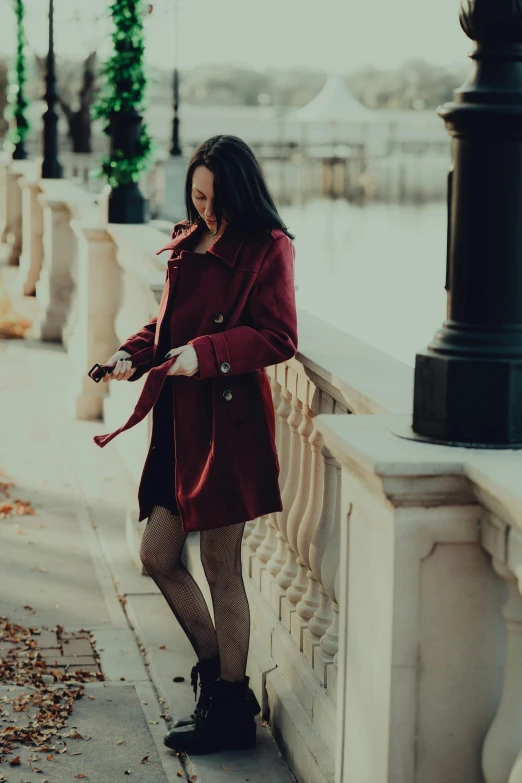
193	778
120	742
163	647
127	772
81	775
76	753
15	762
180	774
154	722
144	759
50	757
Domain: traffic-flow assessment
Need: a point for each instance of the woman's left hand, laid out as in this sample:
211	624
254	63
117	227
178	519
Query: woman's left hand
187	361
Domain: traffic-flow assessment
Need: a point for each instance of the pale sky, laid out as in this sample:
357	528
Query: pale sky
332	35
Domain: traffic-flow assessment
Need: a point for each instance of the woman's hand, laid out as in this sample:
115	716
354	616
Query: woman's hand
187	362
123	368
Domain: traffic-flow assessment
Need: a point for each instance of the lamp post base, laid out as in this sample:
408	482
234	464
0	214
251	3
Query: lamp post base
469	401
407	432
126	204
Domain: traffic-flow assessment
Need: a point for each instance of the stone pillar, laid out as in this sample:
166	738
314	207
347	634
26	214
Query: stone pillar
31	258
94	338
5	162
54	288
421	642
13	208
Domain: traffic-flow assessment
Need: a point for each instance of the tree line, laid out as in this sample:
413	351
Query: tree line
414	85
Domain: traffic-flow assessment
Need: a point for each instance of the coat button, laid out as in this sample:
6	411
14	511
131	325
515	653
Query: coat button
218	318
224	367
227	395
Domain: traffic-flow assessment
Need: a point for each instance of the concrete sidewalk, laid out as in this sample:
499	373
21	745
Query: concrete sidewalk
69	565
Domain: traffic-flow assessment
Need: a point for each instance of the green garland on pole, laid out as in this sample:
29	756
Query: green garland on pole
123	91
17	102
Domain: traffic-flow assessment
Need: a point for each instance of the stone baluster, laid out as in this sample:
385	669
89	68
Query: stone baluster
278	557
268	546
31	257
333	637
283	580
296	514
249	526
323	653
504	738
303	593
254	541
322	615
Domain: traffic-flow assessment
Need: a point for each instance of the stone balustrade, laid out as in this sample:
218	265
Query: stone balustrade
385	596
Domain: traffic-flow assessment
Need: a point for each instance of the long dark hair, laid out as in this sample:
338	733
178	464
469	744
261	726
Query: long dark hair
241	195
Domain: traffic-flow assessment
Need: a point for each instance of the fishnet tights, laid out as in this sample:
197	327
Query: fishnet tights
161	548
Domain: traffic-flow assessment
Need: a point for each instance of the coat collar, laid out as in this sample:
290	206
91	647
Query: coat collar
226	248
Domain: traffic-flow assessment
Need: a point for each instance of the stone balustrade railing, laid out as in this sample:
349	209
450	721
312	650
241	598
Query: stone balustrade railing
385	599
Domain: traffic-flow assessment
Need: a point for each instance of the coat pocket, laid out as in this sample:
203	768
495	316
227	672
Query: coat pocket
233	393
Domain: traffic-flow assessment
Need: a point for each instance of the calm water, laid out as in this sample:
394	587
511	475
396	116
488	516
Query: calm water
376	272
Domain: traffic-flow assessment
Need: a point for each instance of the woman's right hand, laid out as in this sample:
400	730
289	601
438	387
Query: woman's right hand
123	368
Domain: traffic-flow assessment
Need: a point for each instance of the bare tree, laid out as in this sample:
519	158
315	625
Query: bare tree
76	104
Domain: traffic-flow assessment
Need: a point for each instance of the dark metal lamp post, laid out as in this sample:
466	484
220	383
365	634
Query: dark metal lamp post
51	168
175	149
468	383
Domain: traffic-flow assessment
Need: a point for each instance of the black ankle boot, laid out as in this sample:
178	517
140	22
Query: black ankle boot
207	670
227	724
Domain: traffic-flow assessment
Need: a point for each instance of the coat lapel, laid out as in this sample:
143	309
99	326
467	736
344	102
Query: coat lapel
226	248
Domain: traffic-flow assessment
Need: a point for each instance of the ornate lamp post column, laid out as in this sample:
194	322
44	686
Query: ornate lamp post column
175	150
119	103
468	383
51	168
17	99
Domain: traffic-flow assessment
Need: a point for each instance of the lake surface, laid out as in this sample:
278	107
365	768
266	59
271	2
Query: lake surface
375	271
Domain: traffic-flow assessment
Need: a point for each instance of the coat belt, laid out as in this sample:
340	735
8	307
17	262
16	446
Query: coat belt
148	397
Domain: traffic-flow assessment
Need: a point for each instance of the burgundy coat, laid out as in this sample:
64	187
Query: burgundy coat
236	305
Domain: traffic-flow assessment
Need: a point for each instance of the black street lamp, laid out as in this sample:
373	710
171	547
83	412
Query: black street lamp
468	383
51	168
175	150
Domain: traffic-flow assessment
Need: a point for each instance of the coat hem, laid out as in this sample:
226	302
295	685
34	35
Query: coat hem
221	524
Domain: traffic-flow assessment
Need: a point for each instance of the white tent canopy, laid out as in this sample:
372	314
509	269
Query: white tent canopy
334	103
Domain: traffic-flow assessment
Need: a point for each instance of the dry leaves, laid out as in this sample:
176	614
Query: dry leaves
12	326
14	508
47	709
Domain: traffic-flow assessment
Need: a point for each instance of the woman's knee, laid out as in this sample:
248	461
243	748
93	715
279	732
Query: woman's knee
156	560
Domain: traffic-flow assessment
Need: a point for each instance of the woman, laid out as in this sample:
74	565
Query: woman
227	312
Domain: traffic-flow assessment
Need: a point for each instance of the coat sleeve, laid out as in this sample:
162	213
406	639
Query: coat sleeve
271	334
137	342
